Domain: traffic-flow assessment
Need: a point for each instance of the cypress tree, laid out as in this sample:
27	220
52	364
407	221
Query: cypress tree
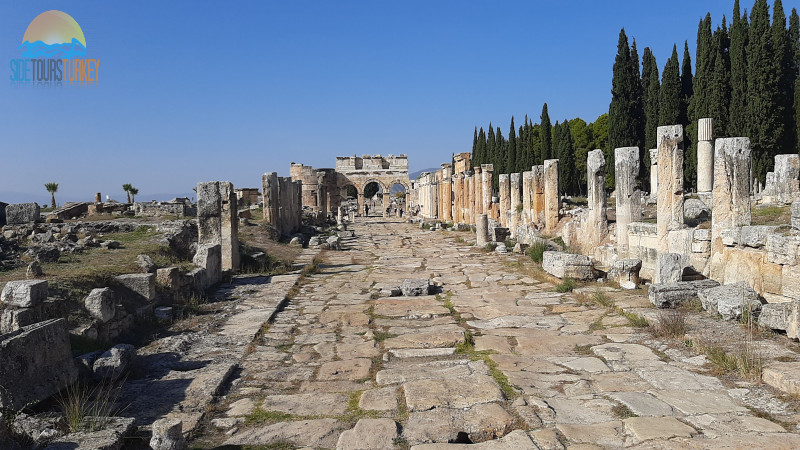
784	61
546	134
764	111
720	87
566	161
523	149
651	87
536	135
481	144
499	161
687	84
626	111
794	45
475	143
690	160
511	153
739	34
491	152
669	104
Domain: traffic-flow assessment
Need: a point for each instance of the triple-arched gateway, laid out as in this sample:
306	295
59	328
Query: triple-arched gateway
324	190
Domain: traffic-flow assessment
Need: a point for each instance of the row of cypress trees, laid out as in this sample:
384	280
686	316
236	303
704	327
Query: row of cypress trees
745	78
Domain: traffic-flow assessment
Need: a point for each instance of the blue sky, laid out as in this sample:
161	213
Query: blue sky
197	91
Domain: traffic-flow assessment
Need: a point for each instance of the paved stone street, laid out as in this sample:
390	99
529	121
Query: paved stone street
496	355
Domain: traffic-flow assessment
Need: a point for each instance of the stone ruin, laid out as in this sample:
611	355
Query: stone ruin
682	258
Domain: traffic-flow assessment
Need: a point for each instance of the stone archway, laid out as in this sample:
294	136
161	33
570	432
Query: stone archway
364	198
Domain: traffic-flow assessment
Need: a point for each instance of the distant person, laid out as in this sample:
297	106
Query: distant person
366	210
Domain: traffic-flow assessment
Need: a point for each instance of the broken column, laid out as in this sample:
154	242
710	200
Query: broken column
527	197
482	230
456	186
653	173
596	219
670	183
552	201
209	213
505	201
486	187
515	180
787	178
731	196
537	185
387	201
468	212
269	189
229	236
705	155
477	192
629	205
447	197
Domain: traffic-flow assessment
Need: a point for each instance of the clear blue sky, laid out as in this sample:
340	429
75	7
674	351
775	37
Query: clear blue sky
197	91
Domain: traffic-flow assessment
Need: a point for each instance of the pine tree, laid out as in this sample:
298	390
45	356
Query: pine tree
720	87
739	34
546	135
651	87
511	152
669	104
764	111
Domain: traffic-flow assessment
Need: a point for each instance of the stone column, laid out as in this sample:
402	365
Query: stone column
447	192
515	181
486	188
229	227
477	193
705	155
98	198
552	201
360	201
629	204
787	172
468	215
538	196
386	202
513	222
481	230
670	183
209	214
653	172
527	197
596	219
731	196
455	184
269	189
505	201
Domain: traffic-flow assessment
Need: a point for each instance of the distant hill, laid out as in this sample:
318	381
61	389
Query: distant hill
414	175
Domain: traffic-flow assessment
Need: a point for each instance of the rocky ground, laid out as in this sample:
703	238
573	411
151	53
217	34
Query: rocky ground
496	356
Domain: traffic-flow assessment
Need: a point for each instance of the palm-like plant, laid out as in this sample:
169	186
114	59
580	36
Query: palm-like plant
127	188
52	188
133	192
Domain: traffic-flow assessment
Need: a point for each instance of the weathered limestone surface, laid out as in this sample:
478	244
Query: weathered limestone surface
567	265
487	171
669	214
669	268
730	300
596	222
516	191
482	230
529	214
505	198
653	172
670	295
787	178
629	204
21	213
552	199
24	294
37	363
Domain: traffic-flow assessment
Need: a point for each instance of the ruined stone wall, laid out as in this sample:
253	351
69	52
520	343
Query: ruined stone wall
162	209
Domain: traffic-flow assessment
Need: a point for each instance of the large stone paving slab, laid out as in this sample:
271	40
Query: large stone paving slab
463	392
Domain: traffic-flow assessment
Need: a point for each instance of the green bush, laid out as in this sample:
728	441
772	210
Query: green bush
536	251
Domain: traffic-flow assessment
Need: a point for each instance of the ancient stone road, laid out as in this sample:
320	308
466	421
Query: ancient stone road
341	367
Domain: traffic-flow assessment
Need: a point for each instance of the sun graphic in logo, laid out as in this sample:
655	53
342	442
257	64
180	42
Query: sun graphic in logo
53	34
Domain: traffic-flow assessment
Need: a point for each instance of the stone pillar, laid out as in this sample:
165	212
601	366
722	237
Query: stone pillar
98	198
538	195
447	192
629	204
787	174
653	172
269	189
477	193
229	227
670	183
387	201
516	185
209	213
705	155
513	222
596	224
486	188
468	214
505	201
360	202
481	230
527	197
731	196
552	201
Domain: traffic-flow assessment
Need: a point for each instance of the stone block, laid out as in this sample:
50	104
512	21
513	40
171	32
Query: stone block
37	363
140	284
412	287
790	282
12	319
782	249
755	235
670	295
669	268
114	362
499	234
696	209
730	237
701	247
100	304
481	230
626	272
730	300
24	294
168	435
732	174
702	234
567	265
787	178
796	215
22	213
775	315
209	257
168	278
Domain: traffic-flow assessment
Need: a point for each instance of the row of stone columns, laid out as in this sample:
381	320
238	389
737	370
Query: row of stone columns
218	221
283	205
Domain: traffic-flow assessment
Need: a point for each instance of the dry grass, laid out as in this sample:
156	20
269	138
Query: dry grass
772	215
671	323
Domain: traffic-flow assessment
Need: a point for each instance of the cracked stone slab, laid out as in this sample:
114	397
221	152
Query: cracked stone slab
315	404
481	423
426	394
315	433
648	428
